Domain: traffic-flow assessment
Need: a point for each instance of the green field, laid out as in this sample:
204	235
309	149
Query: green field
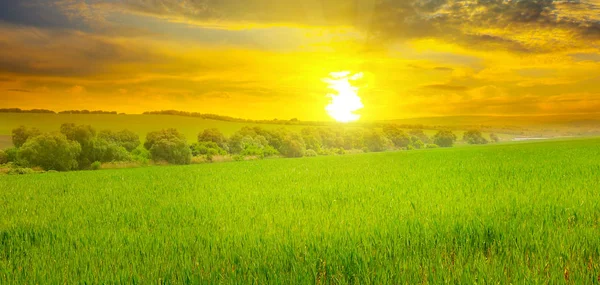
141	124
525	213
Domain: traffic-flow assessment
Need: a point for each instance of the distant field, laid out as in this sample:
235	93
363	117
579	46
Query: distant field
141	124
525	213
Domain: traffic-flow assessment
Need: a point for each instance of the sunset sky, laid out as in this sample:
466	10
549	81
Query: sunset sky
264	59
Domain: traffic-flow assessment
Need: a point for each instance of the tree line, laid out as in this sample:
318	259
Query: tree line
81	147
45	111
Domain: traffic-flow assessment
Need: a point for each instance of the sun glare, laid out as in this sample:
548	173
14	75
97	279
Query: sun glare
346	102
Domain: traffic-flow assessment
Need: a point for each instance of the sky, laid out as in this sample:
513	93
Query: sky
265	59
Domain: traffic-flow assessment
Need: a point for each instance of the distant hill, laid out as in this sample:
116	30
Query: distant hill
575	120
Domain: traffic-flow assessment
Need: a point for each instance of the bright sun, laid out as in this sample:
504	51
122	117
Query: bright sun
346	101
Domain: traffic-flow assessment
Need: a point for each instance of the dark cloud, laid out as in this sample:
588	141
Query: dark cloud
39	13
19	90
489	24
486	24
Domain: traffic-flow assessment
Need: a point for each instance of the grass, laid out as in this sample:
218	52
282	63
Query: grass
525	213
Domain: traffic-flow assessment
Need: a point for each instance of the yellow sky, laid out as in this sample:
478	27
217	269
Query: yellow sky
264	59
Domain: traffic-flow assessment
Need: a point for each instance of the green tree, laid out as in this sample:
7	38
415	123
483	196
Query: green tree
474	137
376	141
396	135
494	138
85	136
420	135
444	138
168	145
213	135
3	157
293	146
21	134
51	151
169	134
173	150
125	138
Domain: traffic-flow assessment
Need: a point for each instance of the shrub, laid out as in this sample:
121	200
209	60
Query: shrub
3	157
444	138
168	134
168	145
173	150
204	148
310	153
474	137
11	154
51	151
293	148
376	141
213	135
418	133
396	135
431	145
20	171
417	143
494	138
21	134
125	138
96	165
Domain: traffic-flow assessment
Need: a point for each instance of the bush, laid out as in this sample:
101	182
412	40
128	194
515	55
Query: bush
494	138
474	137
416	143
125	138
168	145
444	138
11	154
431	145
104	151
21	134
51	152
168	134
376	141
140	154
293	148
396	135
96	165
3	157
213	135
174	150
205	148
20	171
310	153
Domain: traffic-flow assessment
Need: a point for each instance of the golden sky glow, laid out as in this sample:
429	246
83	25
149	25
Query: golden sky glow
264	59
